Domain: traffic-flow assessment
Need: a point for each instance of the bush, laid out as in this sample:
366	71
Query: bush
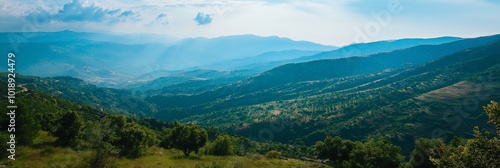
222	146
273	154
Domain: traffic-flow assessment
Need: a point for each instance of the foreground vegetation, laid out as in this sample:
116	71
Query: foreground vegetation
66	134
43	154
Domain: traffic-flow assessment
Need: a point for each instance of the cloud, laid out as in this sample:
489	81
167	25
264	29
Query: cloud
203	19
127	13
160	16
160	19
77	11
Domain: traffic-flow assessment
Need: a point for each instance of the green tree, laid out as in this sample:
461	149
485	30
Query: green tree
335	149
421	154
222	146
26	126
4	137
477	152
69	129
165	141
135	140
119	137
375	154
493	112
188	138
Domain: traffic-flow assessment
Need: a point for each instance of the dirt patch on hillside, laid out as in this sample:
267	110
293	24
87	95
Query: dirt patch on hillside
462	90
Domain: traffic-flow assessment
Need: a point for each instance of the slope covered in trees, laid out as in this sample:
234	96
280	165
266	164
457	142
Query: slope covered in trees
392	106
93	139
306	79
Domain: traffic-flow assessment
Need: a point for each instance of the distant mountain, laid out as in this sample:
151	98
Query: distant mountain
251	63
102	63
118	60
363	49
71	36
203	51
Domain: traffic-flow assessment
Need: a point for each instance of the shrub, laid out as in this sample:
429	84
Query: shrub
273	154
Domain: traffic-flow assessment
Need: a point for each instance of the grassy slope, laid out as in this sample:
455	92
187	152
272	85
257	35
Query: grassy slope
43	154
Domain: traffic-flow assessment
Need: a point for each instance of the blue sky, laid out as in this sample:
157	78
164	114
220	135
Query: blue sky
329	22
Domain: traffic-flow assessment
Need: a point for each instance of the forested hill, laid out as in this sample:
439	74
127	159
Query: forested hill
398	104
77	90
306	79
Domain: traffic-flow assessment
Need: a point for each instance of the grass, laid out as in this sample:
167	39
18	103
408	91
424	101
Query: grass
43	154
175	159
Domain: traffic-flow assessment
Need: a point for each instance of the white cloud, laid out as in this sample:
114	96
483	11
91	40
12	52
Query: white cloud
327	22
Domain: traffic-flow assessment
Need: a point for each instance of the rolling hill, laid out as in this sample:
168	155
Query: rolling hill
295	80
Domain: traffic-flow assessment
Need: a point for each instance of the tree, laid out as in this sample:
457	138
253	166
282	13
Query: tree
335	149
188	138
27	127
222	146
493	111
135	140
4	137
69	129
165	138
111	126
127	139
421	154
478	152
375	154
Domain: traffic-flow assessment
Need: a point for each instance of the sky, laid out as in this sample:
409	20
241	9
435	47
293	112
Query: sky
329	22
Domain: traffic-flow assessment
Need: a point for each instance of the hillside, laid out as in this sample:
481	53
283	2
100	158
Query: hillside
40	117
389	104
195	81
312	106
306	79
76	90
432	99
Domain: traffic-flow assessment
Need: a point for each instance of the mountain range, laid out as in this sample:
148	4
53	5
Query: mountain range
397	90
